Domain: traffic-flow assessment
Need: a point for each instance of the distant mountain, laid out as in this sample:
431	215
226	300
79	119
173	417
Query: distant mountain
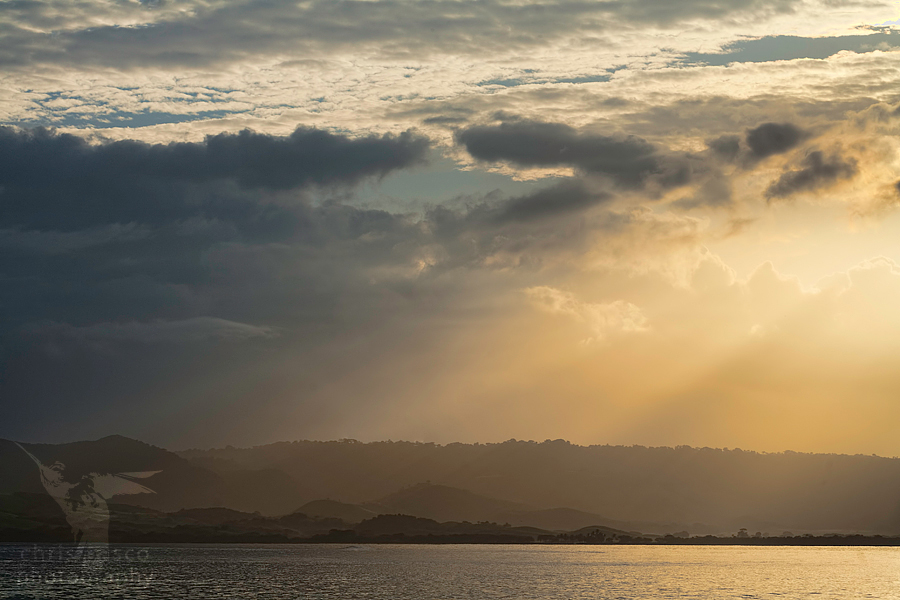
32	517
415	526
552	485
350	513
444	503
607	531
566	519
178	485
268	491
213	524
702	490
212	516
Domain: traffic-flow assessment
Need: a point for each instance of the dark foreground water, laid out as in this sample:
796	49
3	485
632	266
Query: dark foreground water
389	572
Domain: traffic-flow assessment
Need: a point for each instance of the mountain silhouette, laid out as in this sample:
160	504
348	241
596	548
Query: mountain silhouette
445	503
349	513
178	484
703	490
553	485
569	519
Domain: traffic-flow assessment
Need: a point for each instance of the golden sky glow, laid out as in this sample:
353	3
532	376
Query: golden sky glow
640	222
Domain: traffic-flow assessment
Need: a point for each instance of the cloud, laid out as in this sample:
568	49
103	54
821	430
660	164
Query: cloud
201	35
570	195
295	246
252	160
726	146
57	242
817	171
196	329
129	231
642	241
714	192
255	254
629	161
770	139
59	180
602	319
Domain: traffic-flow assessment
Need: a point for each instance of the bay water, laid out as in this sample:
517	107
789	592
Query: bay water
433	572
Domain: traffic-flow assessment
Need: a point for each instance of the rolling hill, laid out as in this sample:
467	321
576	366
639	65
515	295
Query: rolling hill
552	485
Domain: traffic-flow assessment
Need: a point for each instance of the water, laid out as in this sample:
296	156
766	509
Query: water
407	572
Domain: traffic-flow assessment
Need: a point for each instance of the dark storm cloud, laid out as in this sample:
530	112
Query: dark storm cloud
566	197
202	35
57	242
125	230
126	318
816	171
106	240
759	143
770	139
629	161
726	146
60	181
516	217
307	156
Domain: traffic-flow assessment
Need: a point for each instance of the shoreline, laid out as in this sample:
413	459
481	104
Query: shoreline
820	541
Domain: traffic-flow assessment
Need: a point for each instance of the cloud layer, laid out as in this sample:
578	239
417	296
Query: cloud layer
201	35
628	161
59	179
626	221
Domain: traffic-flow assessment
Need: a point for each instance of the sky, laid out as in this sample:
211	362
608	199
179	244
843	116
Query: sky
618	222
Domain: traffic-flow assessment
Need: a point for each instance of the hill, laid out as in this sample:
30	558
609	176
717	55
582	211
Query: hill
702	490
350	513
445	503
569	519
179	484
552	485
